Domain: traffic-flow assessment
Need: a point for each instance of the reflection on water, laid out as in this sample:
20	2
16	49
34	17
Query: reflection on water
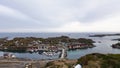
103	44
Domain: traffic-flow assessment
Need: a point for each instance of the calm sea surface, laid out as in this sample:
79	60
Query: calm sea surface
103	47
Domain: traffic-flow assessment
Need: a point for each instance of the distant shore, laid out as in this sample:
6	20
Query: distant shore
103	35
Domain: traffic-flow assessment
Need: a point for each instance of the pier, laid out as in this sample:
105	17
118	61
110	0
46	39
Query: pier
63	53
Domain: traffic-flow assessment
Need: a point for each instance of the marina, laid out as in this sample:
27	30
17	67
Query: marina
105	45
59	34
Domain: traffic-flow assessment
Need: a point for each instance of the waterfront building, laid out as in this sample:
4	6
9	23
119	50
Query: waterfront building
77	46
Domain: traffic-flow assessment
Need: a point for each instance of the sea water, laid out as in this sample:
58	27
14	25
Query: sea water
103	44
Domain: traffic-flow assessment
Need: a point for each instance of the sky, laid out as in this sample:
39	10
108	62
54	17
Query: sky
59	15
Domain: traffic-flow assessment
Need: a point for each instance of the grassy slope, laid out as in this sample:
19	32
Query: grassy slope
89	61
61	64
100	61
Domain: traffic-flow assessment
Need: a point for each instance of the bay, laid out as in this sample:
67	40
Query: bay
103	44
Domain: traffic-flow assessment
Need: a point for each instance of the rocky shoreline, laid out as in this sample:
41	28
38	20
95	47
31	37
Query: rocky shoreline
22	44
94	60
117	45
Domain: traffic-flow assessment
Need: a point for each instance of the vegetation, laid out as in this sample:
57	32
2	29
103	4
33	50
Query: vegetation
86	41
20	41
94	60
100	61
61	64
20	44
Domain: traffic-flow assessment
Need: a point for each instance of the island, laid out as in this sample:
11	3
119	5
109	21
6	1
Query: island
50	44
103	35
117	45
118	39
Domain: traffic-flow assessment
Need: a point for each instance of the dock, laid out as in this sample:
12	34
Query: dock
63	53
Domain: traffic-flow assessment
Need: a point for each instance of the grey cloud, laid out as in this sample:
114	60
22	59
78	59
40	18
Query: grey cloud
56	13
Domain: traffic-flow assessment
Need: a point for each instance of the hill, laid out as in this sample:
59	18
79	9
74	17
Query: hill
94	60
100	61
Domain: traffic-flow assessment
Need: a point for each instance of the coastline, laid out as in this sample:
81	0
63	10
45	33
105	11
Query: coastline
77	52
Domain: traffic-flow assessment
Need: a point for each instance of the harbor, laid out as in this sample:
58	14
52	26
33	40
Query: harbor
51	47
44	53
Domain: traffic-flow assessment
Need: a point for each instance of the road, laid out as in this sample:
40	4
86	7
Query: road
15	63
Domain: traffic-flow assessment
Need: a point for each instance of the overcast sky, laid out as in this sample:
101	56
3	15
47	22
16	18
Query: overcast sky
59	15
